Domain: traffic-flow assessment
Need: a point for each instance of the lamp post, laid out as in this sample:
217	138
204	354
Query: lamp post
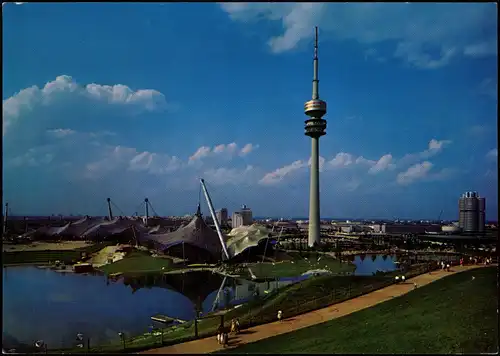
80	338
41	345
122	337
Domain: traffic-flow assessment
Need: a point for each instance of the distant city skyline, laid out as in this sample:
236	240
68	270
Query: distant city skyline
144	110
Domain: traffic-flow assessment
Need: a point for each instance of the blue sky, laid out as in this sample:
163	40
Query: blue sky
132	100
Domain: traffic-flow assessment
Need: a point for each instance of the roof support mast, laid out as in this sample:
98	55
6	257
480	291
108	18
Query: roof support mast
110	212
6	215
214	217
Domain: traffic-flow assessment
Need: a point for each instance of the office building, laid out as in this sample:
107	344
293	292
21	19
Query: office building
247	215
222	216
244	217
236	219
471	212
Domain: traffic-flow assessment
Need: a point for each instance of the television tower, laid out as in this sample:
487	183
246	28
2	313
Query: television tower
315	127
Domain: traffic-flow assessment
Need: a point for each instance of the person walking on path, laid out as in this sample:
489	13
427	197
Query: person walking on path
220	334
280	315
225	339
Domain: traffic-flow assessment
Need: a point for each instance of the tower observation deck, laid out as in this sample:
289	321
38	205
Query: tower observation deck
315	108
315	127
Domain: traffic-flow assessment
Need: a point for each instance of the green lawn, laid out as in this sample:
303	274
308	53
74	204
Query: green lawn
454	315
44	256
300	265
138	262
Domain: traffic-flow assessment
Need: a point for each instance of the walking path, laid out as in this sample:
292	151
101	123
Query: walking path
334	311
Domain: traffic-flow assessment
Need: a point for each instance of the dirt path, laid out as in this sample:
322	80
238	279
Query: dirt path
264	331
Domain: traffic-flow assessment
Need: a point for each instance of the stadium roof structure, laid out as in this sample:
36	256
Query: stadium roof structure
244	237
89	227
158	229
197	233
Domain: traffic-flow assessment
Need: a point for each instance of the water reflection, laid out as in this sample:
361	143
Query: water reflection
370	264
52	306
196	286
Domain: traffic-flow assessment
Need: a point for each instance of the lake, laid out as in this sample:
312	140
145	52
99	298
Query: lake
371	263
54	306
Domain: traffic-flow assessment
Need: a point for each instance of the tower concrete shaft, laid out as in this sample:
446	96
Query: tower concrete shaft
314	211
315	127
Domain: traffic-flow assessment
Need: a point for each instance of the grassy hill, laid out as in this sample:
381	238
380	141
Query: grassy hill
138	262
454	315
299	265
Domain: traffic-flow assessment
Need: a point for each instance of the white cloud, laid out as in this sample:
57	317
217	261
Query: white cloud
95	160
385	162
342	159
15	3
425	35
363	161
415	172
279	174
482	49
434	147
492	154
59	133
64	89
228	150
154	163
34	157
248	148
201	152
234	176
347	162
119	158
44	129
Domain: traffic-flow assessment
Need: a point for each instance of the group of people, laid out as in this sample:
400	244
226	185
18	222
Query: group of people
487	261
223	335
476	260
444	266
399	279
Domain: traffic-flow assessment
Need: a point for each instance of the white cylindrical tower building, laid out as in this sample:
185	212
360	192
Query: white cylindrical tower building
315	127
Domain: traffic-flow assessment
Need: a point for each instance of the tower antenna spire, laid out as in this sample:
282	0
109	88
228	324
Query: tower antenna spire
316	42
315	90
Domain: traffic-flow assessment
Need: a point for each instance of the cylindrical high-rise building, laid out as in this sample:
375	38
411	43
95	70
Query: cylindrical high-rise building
315	127
471	212
482	214
461	212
